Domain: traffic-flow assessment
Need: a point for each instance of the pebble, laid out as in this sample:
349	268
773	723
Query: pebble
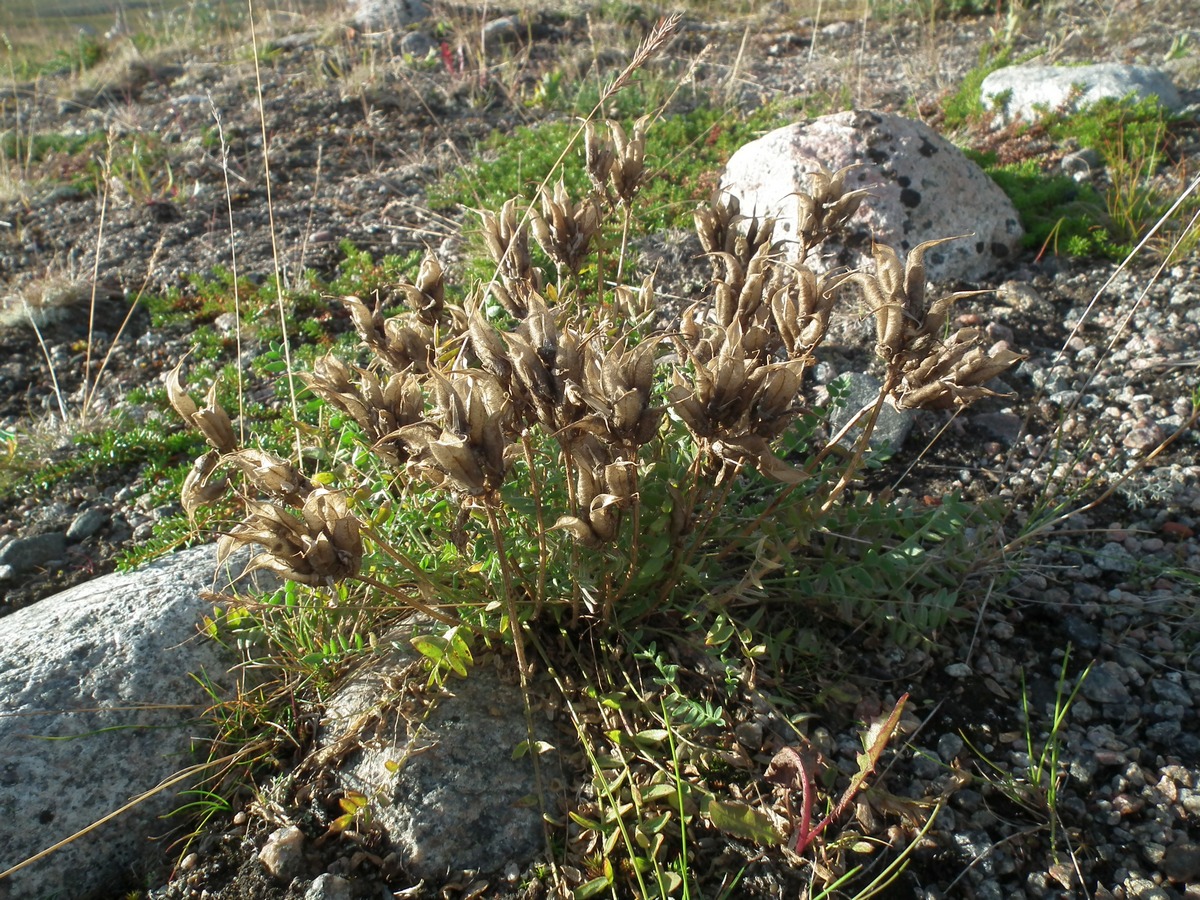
1139	887
283	853
87	523
1181	862
1081	634
1104	686
329	887
949	746
1113	557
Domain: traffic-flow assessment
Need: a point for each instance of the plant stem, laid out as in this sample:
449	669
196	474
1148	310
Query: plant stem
543	551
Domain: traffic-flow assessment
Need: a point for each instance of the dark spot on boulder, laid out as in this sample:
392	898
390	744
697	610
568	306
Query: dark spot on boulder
904	181
936	259
927	149
980	246
877	156
999	250
910	198
46	816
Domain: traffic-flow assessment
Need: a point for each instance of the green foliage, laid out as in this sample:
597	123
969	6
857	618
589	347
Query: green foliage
118	447
1057	212
1062	215
693	146
1034	787
86	53
1136	127
35	148
965	105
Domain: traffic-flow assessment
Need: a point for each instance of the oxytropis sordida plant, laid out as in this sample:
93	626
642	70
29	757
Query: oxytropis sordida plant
558	447
552	447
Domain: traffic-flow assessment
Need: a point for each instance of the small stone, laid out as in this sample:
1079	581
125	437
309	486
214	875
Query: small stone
749	735
1081	634
1103	685
87	523
1128	805
1170	691
189	862
283	853
1027	88
949	746
1143	439
857	389
329	887
1139	887
1164	732
505	30
1004	427
393	14
27	553
417	44
838	29
1113	557
958	670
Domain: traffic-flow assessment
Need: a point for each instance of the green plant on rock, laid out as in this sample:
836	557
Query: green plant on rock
546	459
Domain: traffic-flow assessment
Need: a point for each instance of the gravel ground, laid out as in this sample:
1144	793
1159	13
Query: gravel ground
1104	385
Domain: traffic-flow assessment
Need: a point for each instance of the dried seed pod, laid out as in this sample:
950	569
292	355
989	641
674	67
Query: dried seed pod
271	474
716	223
637	303
600	154
800	310
507	240
564	228
427	298
212	420
488	346
472	448
320	548
629	167
199	488
825	208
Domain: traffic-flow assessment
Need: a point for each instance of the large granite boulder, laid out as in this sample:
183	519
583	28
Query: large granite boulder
921	186
1026	91
97	707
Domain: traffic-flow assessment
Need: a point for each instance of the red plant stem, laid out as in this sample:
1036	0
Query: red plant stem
805	835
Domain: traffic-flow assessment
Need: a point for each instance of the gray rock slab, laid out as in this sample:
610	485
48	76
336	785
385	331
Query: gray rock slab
97	706
1026	91
445	787
922	188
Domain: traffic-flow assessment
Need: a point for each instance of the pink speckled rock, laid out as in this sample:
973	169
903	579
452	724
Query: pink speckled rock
922	188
